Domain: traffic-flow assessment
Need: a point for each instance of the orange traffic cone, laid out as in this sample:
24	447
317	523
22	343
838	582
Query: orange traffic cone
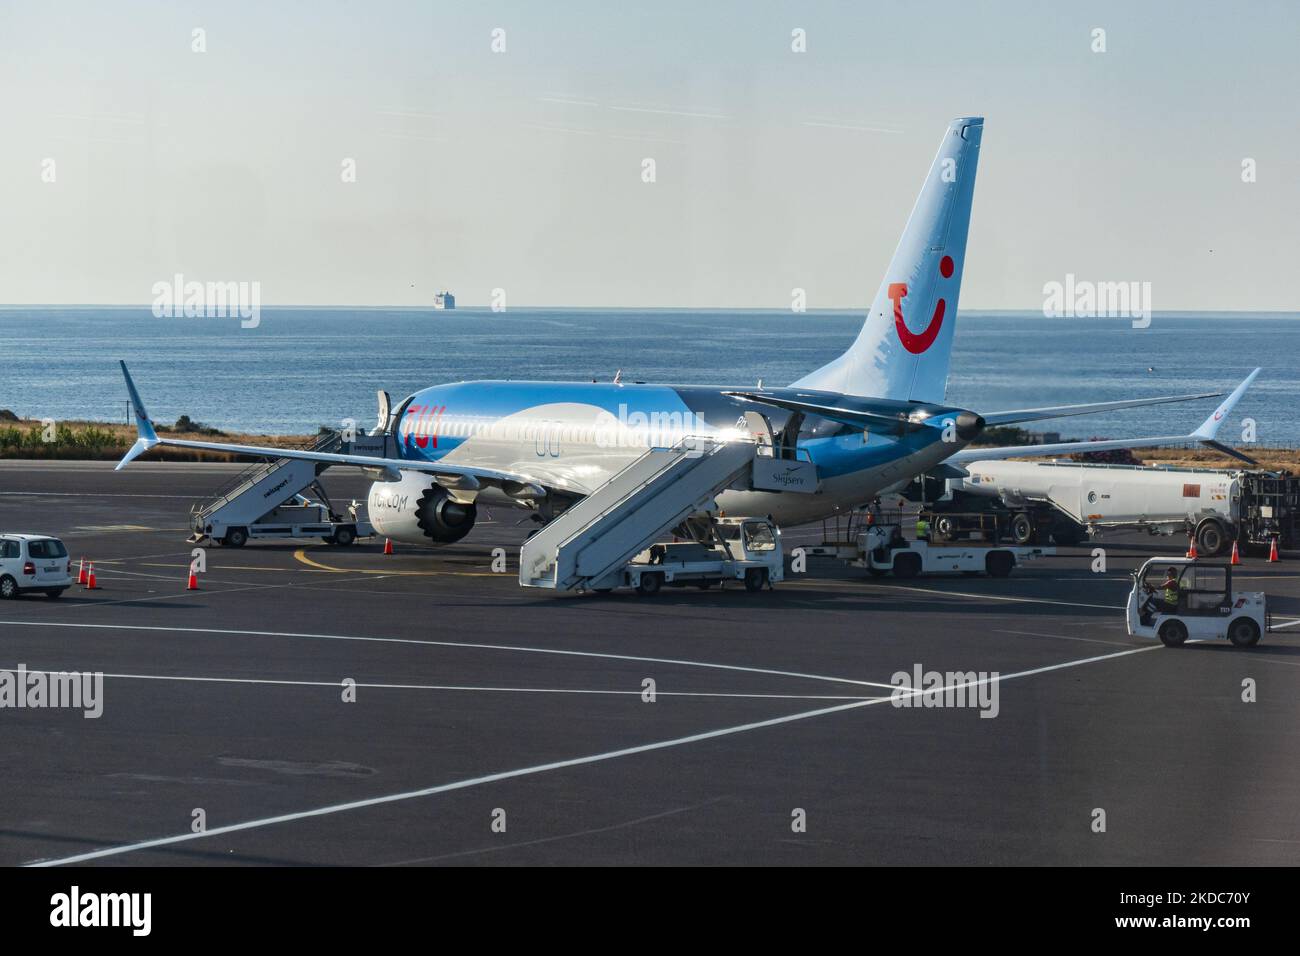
193	584
1272	552
90	578
1236	558
388	546
81	573
1191	546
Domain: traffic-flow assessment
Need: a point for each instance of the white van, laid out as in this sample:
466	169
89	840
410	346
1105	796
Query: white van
33	562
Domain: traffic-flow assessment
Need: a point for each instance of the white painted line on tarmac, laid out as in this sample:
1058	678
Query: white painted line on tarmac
1092	578
423	643
282	682
1001	597
542	768
1063	637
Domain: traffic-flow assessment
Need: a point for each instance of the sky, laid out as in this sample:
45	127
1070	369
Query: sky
523	169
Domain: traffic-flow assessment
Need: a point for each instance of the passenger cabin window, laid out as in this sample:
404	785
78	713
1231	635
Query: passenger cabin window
9	549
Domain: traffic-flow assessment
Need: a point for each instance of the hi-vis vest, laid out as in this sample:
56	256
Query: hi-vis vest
922	527
1171	595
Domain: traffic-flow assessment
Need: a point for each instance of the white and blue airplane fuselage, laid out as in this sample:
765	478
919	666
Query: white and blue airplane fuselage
575	436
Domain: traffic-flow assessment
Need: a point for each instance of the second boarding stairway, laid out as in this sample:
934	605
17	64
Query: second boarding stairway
586	546
260	489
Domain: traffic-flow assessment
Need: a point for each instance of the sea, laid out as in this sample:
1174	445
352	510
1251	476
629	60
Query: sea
302	368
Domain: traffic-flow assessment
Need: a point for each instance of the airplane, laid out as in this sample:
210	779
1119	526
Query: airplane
870	420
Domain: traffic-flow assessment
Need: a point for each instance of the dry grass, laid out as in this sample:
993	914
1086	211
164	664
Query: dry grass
99	441
1271	459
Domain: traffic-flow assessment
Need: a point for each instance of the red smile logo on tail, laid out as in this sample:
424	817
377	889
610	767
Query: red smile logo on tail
916	343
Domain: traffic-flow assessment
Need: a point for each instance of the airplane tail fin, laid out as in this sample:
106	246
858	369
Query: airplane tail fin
903	349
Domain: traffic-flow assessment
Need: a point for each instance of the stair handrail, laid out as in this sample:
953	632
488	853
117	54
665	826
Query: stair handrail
324	442
712	446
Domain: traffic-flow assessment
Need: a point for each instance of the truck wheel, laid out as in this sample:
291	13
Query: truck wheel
1173	633
999	563
1022	529
1211	538
945	527
8	588
344	536
650	584
235	538
907	565
755	578
1243	632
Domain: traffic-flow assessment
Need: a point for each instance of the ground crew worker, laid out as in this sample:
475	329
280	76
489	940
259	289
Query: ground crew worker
922	528
1170	588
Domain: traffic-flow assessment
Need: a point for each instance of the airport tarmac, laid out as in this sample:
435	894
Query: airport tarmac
497	725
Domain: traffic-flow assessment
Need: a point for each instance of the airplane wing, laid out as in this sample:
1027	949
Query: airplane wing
846	416
1017	416
1205	435
462	477
914	421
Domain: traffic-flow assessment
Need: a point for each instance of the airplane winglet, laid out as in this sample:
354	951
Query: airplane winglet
141	446
148	438
1210	427
1229	451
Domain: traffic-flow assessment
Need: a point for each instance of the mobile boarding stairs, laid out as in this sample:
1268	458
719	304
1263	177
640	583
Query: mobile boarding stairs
589	545
268	500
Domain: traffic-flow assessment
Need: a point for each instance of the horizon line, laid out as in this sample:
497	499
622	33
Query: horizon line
855	310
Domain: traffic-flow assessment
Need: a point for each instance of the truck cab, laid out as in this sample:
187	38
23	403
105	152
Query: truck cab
1204	604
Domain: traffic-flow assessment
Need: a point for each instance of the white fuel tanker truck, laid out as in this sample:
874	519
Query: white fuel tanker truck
1067	500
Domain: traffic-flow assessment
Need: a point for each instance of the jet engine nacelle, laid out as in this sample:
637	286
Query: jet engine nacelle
417	510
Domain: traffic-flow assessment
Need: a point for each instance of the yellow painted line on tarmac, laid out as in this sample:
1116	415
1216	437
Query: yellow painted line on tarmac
301	555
